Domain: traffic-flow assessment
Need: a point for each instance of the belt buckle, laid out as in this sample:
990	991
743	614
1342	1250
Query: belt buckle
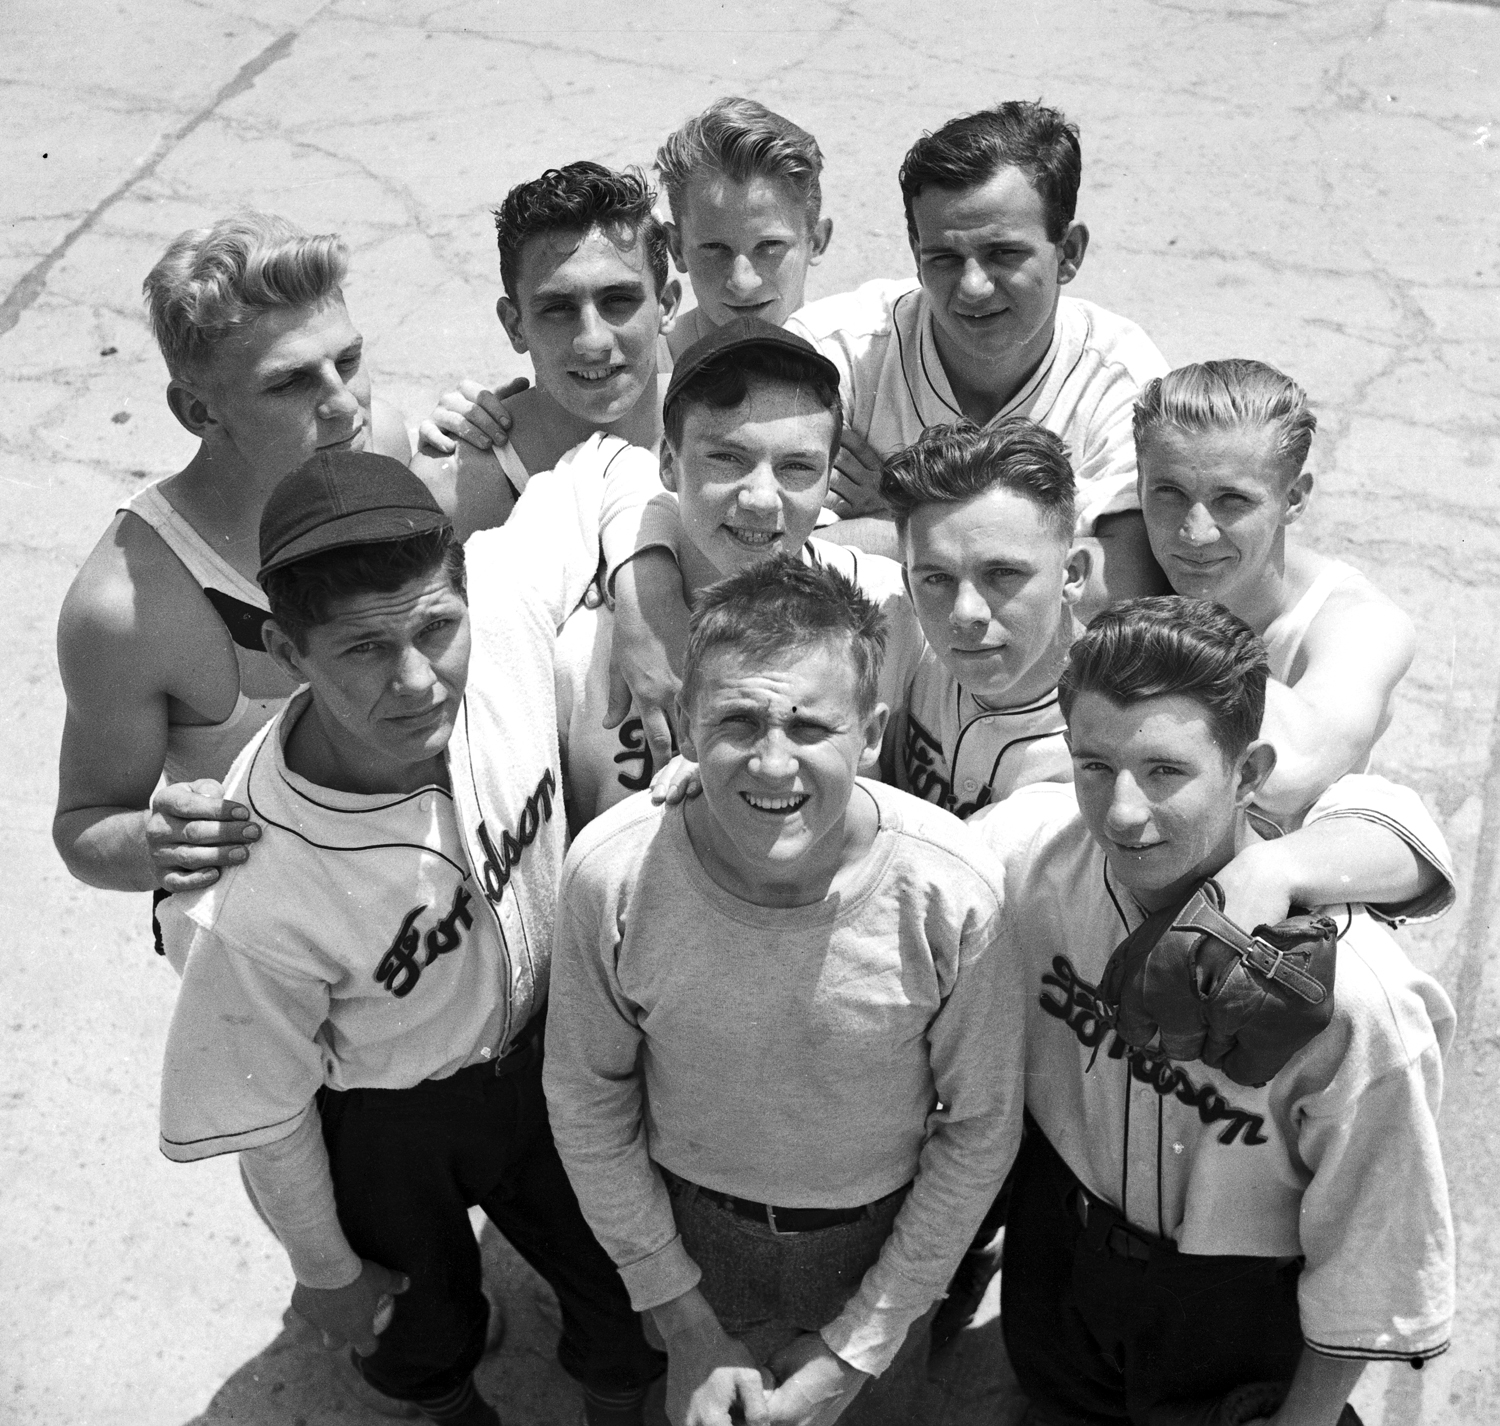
771	1223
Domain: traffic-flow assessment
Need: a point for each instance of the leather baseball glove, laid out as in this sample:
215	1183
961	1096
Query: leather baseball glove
1244	1004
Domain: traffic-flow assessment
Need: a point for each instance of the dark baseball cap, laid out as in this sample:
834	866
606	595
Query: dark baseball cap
343	498
741	335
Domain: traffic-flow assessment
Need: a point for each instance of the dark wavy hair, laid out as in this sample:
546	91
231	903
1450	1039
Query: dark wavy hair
972	149
724	383
573	199
782	606
950	464
1153	648
1234	394
302	594
742	139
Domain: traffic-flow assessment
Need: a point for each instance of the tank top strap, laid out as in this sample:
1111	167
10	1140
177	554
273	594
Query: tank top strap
202	561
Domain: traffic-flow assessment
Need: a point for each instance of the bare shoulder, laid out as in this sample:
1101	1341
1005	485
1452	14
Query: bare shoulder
133	615
388	433
1356	619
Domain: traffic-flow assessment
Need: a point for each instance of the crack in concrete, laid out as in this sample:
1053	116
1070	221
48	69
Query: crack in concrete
33	282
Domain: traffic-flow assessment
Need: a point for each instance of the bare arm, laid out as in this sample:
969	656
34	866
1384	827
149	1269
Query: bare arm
118	686
1320	1387
1325	863
1326	722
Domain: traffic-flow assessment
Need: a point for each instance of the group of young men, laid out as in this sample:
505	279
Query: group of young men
768	1069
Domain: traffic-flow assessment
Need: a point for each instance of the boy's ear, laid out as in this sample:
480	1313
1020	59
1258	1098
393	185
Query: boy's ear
1080	564
685	744
875	721
1256	765
1298	494
190	407
674	245
280	646
1074	244
510	318
671	300
822	235
668	459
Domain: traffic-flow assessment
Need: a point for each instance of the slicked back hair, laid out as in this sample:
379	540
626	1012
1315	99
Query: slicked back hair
742	139
782	606
302	594
1167	644
577	198
213	281
724	383
947	465
1236	394
970	150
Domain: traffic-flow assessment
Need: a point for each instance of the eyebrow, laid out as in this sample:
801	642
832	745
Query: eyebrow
635	287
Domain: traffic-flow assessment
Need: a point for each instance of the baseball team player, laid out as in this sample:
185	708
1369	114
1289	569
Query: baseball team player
588	292
743	184
985	519
374	1057
1222	448
751	421
159	637
783	1057
985	330
1182	1247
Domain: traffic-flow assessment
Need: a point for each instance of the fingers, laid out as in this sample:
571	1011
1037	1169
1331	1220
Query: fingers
858	447
201	799
188	880
658	731
512	388
751	1389
429	436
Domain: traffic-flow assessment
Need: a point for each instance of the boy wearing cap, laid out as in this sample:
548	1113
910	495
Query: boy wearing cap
751	423
362	1001
784	1053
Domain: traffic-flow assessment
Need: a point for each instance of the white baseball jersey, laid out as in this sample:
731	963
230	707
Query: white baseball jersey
603	765
1335	1160
893	383
953	751
377	942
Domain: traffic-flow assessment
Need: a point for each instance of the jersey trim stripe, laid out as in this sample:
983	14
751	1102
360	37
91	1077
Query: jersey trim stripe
236	1134
1376	1354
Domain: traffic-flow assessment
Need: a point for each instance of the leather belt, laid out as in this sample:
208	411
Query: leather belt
784	1221
1106	1230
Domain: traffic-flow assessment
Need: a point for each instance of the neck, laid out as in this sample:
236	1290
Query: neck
698	571
984	388
221	497
314	751
1266	600
548	430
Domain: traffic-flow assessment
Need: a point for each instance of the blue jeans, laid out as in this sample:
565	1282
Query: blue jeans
767	1288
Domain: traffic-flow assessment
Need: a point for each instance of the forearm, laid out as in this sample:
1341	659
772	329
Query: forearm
1320	1387
1339	859
106	847
293	1186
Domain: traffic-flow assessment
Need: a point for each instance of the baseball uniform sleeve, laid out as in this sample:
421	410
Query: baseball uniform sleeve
1375	1224
241	1064
551	544
1402	812
977	1059
594	1097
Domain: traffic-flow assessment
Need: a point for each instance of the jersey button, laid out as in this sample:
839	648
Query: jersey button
970	784
485	1051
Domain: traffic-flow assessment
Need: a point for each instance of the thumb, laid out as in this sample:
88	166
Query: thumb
752	1394
384	1279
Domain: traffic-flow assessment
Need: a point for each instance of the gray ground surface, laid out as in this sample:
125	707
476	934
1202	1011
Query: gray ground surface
1308	181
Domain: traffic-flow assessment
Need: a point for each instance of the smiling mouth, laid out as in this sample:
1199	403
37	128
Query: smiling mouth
1138	847
984	651
750	306
753	539
591	376
777	805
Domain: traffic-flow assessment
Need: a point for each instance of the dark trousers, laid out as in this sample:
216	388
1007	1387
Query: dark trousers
407	1165
1100	1335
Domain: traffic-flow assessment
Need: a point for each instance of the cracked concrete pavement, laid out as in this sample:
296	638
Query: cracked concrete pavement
1313	184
